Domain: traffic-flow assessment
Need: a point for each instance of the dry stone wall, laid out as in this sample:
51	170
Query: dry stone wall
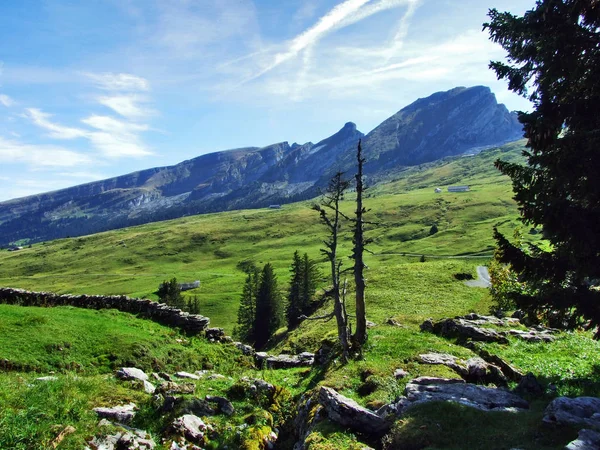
192	324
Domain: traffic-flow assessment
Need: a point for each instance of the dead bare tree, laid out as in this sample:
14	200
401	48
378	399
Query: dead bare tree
360	336
330	214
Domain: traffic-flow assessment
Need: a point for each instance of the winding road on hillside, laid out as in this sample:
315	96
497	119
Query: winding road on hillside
483	278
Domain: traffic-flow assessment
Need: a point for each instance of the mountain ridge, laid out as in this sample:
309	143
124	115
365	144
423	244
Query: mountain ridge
444	124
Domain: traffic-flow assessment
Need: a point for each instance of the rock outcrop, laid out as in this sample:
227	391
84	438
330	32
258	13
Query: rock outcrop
121	414
580	411
348	413
586	440
426	389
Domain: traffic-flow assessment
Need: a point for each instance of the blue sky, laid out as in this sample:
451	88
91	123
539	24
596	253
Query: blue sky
98	88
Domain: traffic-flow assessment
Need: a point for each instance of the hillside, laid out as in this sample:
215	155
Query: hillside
81	349
208	247
462	120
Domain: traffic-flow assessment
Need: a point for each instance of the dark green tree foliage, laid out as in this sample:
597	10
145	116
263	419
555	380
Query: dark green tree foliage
303	286
169	292
310	278
554	60
294	306
268	307
244	329
193	305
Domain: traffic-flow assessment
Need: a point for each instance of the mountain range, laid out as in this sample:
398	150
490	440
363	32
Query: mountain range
462	120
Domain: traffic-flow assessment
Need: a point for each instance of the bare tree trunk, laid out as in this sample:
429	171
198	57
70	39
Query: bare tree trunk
332	199
360	336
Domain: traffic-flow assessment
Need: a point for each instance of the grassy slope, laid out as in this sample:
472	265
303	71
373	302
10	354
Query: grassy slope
207	248
135	260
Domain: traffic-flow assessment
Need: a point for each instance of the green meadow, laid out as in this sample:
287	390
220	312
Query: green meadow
83	347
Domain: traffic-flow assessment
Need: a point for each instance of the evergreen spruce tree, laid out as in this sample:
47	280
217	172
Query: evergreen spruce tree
295	301
244	329
268	308
310	277
169	292
554	61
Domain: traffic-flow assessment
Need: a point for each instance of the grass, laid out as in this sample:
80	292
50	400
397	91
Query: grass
134	261
51	339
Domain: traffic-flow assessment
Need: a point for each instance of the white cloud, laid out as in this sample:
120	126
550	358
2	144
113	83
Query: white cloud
115	138
129	106
118	81
41	119
6	100
40	156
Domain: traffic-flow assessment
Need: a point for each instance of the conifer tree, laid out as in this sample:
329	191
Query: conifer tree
303	286
554	61
268	307
295	301
245	330
310	277
169	292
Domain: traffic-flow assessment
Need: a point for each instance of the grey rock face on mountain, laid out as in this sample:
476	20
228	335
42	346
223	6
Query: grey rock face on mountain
444	124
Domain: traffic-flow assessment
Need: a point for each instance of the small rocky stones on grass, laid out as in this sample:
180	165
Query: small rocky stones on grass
45	379
244	348
446	360
191	427
187	375
400	373
580	411
224	405
128	439
170	387
533	335
530	386
482	372
348	413
131	373
393	322
164	376
283	361
586	440
121	414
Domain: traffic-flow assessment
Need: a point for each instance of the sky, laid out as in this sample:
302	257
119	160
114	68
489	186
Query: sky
98	88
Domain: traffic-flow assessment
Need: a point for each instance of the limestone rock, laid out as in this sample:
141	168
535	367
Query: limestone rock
439	389
149	387
121	414
169	388
187	375
482	372
224	405
533	335
191	427
48	378
129	439
244	348
586	440
529	385
131	373
283	361
348	413
400	373
580	411
446	360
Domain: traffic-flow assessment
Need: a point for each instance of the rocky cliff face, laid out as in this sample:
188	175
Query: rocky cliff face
444	124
